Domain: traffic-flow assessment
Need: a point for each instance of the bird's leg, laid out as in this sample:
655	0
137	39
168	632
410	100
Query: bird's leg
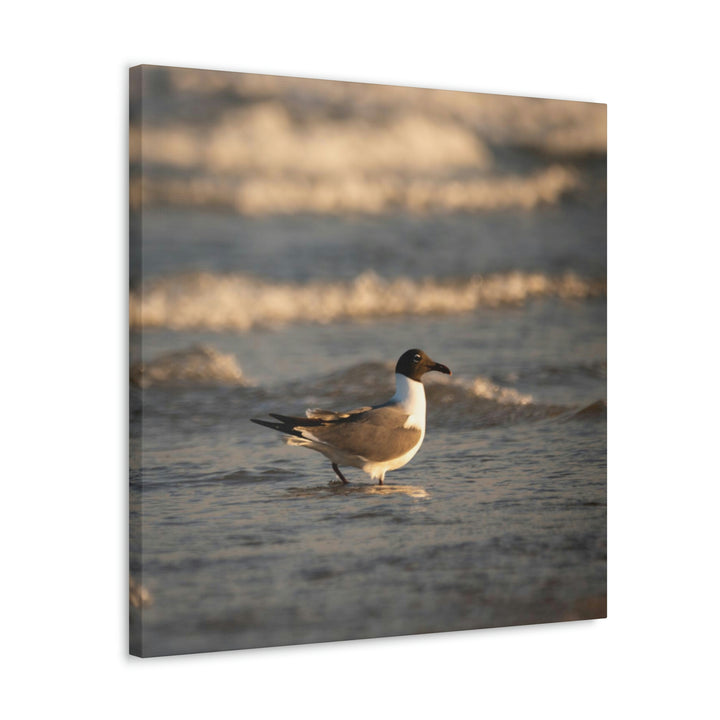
380	480
339	474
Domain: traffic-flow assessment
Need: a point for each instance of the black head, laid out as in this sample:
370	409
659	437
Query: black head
415	363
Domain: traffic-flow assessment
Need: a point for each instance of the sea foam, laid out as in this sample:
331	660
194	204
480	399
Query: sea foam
200	364
241	302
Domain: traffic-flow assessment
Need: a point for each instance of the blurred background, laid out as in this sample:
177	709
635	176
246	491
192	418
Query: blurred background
364	182
262	145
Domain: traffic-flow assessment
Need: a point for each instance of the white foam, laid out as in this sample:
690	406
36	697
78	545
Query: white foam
198	364
240	302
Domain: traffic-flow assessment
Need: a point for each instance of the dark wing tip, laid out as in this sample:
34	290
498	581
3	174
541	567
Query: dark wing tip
266	423
282	427
299	421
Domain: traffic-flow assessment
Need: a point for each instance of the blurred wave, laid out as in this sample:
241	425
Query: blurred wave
544	125
270	145
240	302
265	138
200	364
203	366
357	193
462	398
139	595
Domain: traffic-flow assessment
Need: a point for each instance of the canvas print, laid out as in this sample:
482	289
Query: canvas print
367	360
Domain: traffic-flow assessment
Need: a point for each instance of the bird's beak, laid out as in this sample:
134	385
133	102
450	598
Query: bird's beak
441	368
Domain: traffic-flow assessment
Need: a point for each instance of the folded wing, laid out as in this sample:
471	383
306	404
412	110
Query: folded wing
377	434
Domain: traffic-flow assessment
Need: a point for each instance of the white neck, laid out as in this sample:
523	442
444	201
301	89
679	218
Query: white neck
410	395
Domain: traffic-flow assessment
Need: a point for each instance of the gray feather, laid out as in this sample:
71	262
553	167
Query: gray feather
376	434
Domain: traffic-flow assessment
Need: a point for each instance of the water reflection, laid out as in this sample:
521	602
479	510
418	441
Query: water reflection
413	491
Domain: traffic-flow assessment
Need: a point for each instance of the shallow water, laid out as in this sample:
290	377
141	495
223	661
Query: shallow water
501	523
500	518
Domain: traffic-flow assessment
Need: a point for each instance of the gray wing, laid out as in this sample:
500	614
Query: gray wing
377	434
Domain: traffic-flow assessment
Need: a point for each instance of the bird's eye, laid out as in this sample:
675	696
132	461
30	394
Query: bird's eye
416	358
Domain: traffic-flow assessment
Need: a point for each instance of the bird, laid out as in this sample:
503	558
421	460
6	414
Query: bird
376	438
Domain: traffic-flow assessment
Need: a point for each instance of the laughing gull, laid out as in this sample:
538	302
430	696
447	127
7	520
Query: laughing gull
376	439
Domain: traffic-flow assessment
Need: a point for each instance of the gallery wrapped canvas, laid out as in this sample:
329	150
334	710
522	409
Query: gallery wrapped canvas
406	289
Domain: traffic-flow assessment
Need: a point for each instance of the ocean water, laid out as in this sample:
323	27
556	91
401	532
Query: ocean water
238	541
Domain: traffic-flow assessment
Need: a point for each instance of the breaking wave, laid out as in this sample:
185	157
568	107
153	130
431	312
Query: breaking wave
484	388
241	302
357	192
204	365
260	145
464	401
569	128
265	138
200	364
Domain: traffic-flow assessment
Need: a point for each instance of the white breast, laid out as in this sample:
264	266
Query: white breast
410	396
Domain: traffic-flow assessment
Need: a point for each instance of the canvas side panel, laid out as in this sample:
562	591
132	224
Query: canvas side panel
135	348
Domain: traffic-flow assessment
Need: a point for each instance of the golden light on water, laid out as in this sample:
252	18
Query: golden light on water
414	491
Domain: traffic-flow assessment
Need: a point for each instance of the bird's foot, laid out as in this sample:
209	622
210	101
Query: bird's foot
343	479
